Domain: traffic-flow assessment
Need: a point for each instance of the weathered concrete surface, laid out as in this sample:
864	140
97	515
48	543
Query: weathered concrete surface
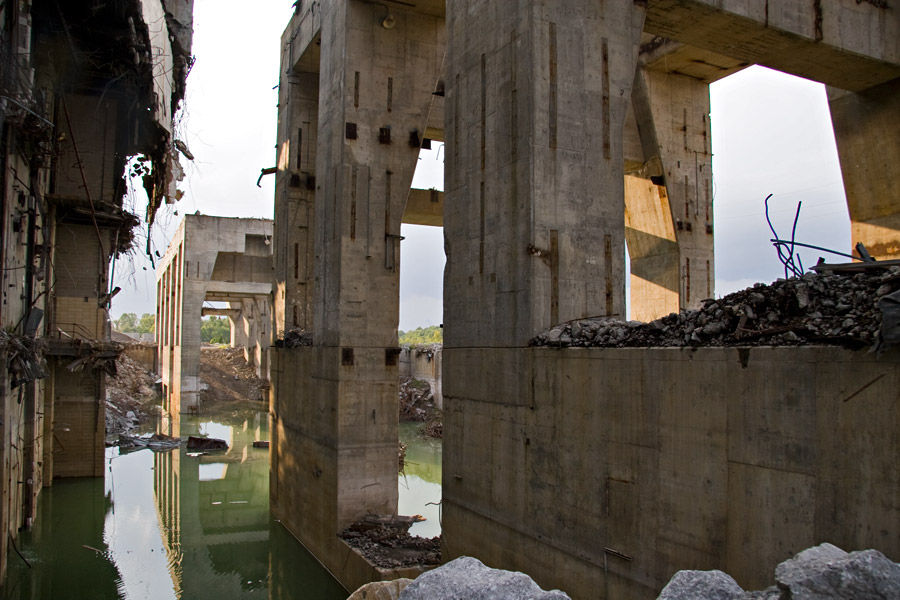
611	470
326	454
217	259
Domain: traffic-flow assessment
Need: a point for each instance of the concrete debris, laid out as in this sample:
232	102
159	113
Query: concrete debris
826	308
132	398
158	442
469	578
229	378
824	572
381	590
295	338
202	443
417	406
24	357
386	542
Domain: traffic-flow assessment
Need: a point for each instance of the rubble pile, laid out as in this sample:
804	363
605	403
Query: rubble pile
131	397
295	338
386	542
416	400
227	377
823	308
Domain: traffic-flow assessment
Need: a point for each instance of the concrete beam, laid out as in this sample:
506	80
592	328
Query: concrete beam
424	207
848	45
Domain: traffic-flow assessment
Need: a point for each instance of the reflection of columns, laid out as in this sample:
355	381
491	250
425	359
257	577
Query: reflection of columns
295	193
668	204
867	131
536	103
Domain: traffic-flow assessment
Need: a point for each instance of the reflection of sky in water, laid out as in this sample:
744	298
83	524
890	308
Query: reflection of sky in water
218	431
420	484
212	471
132	530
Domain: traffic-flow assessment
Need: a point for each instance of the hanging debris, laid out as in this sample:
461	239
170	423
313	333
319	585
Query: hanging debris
24	358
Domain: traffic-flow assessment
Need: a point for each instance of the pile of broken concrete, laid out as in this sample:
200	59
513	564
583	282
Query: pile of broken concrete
824	572
817	308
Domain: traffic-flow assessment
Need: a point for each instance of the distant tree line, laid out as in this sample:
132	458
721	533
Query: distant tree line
422	335
215	330
129	323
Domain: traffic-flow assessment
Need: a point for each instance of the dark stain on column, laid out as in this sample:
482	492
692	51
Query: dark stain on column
708	280
456	144
687	280
300	148
390	94
388	238
554	276
817	7
483	109
687	200
296	261
356	89
604	50
514	100
684	129
353	178
554	91
607	263
481	232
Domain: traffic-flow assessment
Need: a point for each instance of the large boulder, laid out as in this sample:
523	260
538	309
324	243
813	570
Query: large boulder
468	578
710	585
826	572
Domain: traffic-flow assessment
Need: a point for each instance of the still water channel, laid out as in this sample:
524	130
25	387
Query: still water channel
180	525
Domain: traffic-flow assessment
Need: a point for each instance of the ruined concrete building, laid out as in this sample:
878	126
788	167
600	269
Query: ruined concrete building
88	91
570	127
212	259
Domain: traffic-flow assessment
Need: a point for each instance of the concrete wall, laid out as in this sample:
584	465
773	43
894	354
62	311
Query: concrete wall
322	452
143	354
603	472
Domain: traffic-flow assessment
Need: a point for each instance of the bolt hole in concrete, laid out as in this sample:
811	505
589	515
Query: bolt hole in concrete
169	525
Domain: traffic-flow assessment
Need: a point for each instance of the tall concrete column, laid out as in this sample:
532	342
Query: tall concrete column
295	193
335	411
867	131
668	204
536	101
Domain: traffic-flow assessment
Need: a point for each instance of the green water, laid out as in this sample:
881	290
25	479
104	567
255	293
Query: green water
176	525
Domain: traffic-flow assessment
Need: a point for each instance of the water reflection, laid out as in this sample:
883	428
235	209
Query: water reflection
420	483
169	525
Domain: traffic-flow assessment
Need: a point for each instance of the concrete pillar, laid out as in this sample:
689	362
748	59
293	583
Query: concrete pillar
668	202
239	337
295	194
867	131
536	103
376	82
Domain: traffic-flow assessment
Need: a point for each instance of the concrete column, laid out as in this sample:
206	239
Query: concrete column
867	131
536	101
668	202
295	193
375	90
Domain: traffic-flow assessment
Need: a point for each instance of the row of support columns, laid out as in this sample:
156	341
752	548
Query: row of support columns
537	210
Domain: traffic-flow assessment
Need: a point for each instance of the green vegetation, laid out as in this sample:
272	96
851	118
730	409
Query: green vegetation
215	330
422	335
129	323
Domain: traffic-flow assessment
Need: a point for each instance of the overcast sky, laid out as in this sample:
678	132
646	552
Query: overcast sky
771	134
